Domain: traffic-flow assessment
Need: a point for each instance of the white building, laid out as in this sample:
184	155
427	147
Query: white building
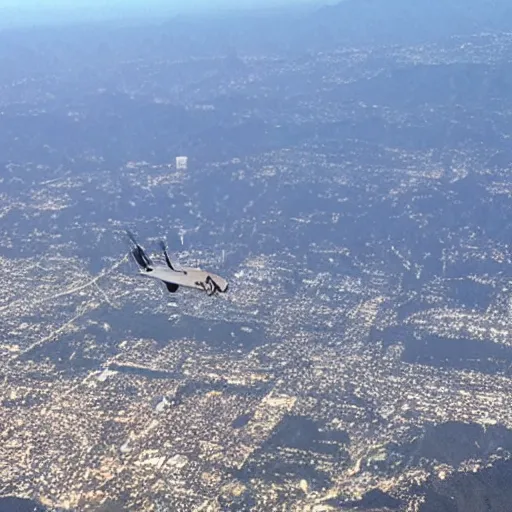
181	162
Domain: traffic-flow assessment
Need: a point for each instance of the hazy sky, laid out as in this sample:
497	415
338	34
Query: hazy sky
119	5
33	11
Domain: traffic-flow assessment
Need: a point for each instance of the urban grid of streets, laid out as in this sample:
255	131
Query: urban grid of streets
313	381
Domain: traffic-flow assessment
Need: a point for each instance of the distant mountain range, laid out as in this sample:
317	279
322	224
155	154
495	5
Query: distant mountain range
291	30
411	20
350	22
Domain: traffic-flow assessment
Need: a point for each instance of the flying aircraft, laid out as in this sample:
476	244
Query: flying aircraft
174	277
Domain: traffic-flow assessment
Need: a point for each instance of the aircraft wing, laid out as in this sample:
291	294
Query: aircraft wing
193	278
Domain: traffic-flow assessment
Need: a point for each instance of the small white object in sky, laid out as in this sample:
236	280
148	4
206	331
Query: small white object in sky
181	162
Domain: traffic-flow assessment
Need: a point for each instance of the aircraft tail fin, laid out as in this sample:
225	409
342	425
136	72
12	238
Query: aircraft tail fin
173	266
138	253
167	259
